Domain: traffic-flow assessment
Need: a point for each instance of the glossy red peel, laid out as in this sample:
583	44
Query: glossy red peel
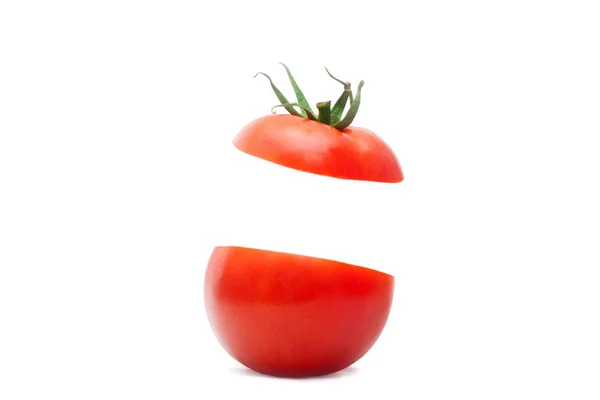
291	315
310	146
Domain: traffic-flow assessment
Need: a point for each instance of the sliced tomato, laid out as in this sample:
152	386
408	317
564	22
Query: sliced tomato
311	146
322	143
291	315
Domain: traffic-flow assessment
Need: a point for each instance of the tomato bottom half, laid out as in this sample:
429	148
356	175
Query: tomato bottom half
291	315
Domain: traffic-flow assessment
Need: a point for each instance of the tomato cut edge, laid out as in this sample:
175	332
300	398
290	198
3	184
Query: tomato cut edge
303	257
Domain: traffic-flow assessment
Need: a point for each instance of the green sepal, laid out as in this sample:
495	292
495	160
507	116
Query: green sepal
280	96
347	85
299	95
344	123
309	114
338	107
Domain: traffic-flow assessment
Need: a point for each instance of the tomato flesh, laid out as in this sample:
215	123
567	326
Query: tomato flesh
290	315
311	146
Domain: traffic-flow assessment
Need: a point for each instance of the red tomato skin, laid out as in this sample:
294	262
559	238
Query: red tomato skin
310	146
290	315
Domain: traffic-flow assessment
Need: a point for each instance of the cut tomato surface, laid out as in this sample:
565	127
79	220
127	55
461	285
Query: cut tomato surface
291	315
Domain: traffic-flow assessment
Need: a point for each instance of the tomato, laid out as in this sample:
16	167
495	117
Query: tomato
323	143
291	315
311	146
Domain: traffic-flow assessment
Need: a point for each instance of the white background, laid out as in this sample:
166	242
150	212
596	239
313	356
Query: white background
118	176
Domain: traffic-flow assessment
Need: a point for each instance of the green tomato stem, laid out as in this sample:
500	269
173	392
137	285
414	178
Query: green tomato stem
324	108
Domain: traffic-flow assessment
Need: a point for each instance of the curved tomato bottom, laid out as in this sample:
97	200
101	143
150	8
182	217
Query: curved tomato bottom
290	315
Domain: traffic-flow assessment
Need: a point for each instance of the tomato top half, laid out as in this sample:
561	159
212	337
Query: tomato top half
311	146
322	142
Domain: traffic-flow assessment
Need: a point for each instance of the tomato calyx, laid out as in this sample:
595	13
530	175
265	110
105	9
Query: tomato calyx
332	116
